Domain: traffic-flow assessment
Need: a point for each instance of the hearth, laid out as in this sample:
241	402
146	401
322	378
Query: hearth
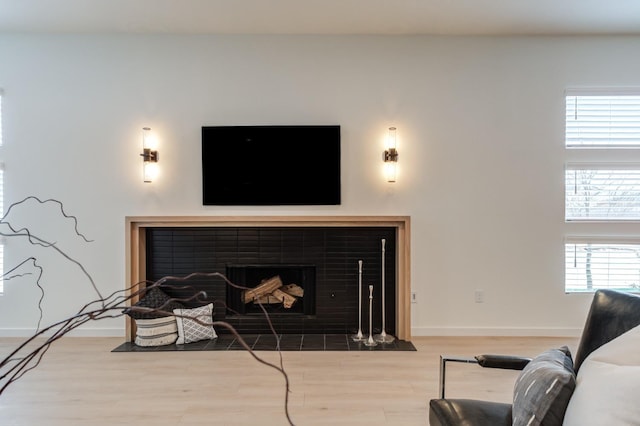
267	342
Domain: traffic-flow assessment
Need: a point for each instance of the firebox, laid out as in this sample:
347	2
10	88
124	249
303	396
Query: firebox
280	289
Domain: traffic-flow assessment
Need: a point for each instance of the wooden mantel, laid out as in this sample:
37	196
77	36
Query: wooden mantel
136	247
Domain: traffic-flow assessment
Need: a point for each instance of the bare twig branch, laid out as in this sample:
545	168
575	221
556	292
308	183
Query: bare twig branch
47	201
28	355
16	364
35	240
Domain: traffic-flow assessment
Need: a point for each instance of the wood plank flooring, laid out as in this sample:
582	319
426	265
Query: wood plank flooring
81	382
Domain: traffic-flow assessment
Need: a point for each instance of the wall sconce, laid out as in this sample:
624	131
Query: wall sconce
149	156
390	156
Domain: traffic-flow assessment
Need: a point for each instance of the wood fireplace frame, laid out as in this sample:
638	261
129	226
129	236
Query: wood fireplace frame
135	251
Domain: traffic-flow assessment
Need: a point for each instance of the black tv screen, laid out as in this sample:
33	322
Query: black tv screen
271	165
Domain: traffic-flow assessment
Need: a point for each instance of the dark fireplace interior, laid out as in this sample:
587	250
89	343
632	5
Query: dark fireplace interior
250	276
323	261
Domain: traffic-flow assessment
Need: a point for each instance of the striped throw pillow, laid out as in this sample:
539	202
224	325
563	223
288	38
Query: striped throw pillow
543	389
157	331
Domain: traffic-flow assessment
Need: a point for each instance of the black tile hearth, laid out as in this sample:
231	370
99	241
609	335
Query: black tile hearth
267	342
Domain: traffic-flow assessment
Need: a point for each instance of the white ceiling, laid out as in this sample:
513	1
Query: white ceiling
437	17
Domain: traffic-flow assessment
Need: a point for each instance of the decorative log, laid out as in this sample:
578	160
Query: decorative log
293	290
278	296
267	300
287	299
262	289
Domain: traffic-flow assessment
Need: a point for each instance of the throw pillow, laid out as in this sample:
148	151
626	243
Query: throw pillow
193	331
154	298
608	384
156	332
543	389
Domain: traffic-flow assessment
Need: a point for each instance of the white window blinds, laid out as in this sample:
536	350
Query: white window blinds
602	186
598	121
1	198
593	265
602	192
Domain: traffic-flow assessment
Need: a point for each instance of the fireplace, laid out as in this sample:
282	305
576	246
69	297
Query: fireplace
162	246
300	278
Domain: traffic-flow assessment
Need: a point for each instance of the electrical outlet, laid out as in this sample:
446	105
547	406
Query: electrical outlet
479	296
414	297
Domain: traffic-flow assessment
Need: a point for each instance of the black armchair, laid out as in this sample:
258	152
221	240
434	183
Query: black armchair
611	314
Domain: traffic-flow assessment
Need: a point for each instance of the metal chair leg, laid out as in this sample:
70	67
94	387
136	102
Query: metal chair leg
443	368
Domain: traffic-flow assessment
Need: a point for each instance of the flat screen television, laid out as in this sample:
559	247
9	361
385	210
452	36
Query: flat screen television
271	165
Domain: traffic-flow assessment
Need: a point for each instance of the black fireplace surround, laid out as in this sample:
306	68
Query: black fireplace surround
321	260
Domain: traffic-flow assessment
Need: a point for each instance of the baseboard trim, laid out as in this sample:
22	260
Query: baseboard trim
78	332
496	331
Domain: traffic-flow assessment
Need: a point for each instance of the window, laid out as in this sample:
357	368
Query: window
602	192
592	265
602	189
1	199
603	120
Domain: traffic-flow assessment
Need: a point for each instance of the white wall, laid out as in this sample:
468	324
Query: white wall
480	136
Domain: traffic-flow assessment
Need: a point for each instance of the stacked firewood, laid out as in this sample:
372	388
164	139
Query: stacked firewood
273	291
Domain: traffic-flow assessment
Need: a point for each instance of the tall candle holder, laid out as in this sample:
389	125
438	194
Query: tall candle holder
359	337
370	341
383	337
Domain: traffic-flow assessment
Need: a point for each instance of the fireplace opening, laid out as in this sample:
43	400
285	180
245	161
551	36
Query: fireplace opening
281	289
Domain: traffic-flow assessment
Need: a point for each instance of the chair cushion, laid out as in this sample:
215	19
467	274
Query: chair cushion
543	389
449	412
608	384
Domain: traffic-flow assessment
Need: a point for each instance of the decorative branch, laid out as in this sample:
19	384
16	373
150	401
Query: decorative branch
7	277
43	202
28	354
35	240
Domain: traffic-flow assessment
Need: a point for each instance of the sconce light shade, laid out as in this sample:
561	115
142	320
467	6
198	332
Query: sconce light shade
390	156
390	171
149	156
149	171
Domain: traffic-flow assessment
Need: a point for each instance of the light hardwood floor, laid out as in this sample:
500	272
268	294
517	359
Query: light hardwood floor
80	382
